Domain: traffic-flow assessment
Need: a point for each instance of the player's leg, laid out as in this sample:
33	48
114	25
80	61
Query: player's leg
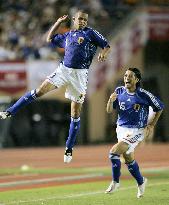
53	81
26	99
114	157
73	130
133	168
134	137
75	91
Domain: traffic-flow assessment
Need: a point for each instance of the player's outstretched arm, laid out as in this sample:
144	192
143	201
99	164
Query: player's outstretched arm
54	28
112	98
103	54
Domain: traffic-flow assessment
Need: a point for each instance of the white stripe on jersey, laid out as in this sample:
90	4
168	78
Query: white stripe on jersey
120	89
100	35
155	102
66	43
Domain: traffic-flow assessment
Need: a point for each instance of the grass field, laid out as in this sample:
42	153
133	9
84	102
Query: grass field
90	193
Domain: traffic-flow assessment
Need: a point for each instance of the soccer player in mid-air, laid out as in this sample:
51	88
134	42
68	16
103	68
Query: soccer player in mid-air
132	104
80	45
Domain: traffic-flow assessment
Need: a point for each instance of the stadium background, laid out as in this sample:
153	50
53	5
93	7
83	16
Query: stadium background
32	143
138	32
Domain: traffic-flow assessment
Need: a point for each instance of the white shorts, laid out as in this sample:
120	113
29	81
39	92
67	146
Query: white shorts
132	136
75	81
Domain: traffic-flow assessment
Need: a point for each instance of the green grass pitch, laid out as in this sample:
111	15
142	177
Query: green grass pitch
157	191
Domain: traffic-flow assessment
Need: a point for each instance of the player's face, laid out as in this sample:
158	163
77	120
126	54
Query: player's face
80	20
130	80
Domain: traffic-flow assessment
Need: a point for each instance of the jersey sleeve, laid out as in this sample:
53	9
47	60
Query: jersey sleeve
154	102
98	39
59	40
119	90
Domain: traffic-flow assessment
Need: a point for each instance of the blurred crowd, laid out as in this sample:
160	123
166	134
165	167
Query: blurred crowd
24	23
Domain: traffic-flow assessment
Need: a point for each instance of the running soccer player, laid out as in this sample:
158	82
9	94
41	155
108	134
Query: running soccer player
132	103
80	46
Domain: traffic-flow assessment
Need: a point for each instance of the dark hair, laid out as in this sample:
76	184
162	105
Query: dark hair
81	11
137	73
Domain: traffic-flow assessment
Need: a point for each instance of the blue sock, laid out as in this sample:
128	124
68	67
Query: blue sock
135	172
116	166
24	100
74	128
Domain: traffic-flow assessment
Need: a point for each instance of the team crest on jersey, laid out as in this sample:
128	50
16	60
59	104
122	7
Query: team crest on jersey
80	40
137	107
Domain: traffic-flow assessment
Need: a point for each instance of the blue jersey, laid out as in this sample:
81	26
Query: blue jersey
80	46
133	109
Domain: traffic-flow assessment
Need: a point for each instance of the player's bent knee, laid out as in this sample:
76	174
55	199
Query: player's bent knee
113	149
119	148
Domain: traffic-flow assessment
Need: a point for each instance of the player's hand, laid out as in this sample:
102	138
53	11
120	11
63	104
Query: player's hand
113	97
103	54
109	107
149	130
102	57
63	19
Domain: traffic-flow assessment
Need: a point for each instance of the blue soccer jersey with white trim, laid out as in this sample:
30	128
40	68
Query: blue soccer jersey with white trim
80	46
133	109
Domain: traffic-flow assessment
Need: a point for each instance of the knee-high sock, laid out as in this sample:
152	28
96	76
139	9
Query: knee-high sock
116	166
73	129
135	172
24	100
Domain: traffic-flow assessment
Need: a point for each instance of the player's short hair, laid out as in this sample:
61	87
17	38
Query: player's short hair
137	73
83	11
